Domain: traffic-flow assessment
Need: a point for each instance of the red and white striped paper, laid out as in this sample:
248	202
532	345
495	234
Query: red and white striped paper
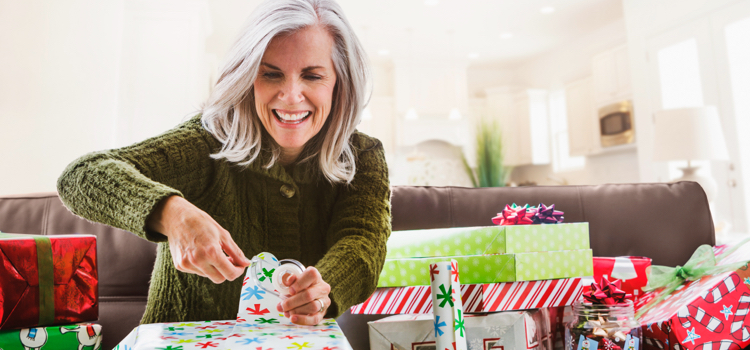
488	297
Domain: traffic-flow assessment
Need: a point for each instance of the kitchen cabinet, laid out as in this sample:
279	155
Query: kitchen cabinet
611	76
583	123
522	115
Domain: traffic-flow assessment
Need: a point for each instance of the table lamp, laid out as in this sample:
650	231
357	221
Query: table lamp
690	134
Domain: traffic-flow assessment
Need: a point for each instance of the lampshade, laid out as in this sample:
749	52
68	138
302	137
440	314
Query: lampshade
689	134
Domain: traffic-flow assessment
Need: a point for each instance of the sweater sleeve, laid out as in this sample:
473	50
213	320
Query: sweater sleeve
360	227
121	187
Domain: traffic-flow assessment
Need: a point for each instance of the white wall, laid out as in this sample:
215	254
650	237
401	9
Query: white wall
552	71
58	86
652	25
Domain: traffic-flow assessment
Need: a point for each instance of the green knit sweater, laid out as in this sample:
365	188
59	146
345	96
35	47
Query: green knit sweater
341	230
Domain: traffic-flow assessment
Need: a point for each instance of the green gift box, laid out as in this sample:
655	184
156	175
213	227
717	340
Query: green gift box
488	240
492	268
77	336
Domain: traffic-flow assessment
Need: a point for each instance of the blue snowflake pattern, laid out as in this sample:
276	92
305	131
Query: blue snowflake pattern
248	341
252	292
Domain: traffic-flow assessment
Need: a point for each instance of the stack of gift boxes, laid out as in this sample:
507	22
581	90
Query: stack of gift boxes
48	288
517	265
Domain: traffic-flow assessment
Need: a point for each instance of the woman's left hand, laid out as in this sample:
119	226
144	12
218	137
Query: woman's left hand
308	301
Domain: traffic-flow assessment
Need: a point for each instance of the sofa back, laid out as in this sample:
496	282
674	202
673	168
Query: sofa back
633	219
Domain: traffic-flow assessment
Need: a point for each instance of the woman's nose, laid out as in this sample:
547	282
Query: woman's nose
291	93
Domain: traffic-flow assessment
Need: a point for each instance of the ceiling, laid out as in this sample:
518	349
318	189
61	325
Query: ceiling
456	29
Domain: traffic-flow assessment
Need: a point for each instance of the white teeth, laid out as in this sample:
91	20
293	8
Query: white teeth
291	117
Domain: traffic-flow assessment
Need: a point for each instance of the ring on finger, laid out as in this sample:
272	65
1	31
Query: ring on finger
321	305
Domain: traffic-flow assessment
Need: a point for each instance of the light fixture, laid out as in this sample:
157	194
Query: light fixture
473	55
506	35
431	2
366	114
690	134
411	114
547	10
383	52
455	114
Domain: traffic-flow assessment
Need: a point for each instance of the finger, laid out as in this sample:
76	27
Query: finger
288	279
310	308
307	320
183	264
222	264
309	277
234	251
306	296
202	262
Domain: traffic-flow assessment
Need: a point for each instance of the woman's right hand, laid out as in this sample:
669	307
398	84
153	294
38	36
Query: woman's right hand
198	244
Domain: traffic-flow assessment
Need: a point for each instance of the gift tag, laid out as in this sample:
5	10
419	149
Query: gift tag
587	344
269	272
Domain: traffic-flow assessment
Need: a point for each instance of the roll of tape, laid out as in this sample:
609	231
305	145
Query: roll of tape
280	272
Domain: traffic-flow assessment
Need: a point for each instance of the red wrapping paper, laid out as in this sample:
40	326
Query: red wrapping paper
76	285
707	314
630	270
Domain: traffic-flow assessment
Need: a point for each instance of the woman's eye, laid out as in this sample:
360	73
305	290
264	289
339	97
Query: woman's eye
313	77
271	75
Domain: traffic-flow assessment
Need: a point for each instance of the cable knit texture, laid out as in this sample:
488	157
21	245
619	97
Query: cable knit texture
340	229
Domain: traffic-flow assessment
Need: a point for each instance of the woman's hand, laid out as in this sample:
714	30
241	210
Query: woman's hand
308	301
198	244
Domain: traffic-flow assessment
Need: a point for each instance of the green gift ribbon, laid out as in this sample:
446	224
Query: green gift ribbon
46	272
702	263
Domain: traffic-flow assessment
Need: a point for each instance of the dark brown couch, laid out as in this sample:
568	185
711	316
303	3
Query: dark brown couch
666	222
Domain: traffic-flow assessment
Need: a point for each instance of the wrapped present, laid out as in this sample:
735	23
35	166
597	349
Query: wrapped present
478	298
702	305
47	280
258	324
508	330
75	336
630	270
493	268
487	240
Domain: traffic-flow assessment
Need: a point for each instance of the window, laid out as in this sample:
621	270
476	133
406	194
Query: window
561	159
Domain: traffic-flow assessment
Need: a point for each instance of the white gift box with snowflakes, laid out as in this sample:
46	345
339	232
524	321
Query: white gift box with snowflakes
258	326
509	330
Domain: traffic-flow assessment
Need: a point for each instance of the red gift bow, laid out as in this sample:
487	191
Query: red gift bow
606	293
515	216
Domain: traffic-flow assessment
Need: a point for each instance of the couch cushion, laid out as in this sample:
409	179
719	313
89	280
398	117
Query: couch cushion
125	261
624	219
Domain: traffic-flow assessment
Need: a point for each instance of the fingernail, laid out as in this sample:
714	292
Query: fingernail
294	318
286	314
292	291
278	307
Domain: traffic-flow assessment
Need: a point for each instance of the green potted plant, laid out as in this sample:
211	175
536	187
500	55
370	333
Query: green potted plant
490	171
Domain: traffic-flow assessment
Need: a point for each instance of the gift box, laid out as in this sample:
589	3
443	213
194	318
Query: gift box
511	330
487	240
630	270
478	298
258	326
493	268
47	280
76	336
710	312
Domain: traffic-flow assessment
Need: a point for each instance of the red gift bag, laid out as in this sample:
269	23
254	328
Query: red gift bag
47	280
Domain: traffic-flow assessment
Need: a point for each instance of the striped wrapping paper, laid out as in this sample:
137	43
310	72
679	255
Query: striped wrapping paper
477	298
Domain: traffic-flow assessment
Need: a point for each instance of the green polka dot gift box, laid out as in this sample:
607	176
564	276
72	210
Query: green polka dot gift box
488	240
492	268
84	336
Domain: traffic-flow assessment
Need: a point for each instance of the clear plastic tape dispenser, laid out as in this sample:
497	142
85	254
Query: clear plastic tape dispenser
268	273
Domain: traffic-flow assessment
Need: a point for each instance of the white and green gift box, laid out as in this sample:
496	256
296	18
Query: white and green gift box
490	254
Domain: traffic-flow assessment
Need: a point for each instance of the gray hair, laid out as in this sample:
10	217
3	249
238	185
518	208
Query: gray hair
230	115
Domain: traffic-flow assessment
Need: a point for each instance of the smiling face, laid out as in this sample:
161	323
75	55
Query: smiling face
294	88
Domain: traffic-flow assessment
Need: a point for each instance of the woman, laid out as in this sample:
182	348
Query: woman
273	163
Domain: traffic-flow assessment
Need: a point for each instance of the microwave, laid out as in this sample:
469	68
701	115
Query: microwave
616	124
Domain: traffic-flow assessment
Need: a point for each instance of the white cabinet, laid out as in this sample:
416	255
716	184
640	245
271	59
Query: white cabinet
583	126
522	115
611	76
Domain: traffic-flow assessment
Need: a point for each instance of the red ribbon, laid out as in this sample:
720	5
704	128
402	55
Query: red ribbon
515	216
606	293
